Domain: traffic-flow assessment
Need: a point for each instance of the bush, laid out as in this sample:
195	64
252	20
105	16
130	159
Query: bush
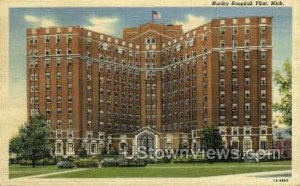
46	161
189	160
25	162
131	163
88	162
65	165
121	162
109	162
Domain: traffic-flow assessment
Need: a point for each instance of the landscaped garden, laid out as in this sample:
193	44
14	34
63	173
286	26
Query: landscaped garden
120	169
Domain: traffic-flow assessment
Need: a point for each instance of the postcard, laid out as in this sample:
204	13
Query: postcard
149	93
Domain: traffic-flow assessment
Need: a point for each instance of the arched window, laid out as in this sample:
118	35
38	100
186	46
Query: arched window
150	40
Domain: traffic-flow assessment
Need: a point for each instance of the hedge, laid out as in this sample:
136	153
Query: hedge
65	165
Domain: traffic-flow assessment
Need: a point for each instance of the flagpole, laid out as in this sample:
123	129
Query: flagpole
152	16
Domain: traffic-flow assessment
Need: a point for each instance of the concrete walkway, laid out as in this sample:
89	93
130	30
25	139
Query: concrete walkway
53	173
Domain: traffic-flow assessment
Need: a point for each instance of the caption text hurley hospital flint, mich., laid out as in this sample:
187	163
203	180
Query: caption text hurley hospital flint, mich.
247	3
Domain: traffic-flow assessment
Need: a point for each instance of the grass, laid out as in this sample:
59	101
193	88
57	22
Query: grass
16	171
177	170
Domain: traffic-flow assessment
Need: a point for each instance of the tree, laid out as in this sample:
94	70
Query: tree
211	139
284	81
33	141
15	145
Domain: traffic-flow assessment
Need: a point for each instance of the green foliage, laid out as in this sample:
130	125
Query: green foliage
82	152
32	142
122	162
86	162
25	162
103	151
114	151
211	139
15	145
45	161
284	82
109	162
65	165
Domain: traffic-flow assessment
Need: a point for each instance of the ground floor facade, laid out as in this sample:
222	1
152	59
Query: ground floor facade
151	139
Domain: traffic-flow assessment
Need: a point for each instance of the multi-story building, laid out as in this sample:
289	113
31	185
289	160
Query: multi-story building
156	86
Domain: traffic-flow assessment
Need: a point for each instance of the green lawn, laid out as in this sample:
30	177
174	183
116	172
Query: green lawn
177	170
16	171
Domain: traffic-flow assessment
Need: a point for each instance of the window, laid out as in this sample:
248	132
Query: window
247	93
58	51
247	144
263	131
247	43
247	55
247	30
222	31
222	44
58	38
222	56
263	43
247	106
234	82
263	81
234	43
234	106
70	147
69	51
234	56
47	52
263	145
263	55
263	93
204	37
93	148
263	106
234	30
263	20
150	40
247	118
222	68
222	119
234	131
47	39
247	81
234	94
69	38
222	82
58	148
222	106
222	22
222	94
263	30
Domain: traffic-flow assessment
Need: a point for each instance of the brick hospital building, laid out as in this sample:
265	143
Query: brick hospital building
156	87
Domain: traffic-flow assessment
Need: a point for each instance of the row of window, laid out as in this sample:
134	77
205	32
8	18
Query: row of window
246	93
247	30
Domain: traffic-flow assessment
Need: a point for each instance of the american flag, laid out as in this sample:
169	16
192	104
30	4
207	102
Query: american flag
156	15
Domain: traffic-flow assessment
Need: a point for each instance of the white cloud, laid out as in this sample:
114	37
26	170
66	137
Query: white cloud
40	21
31	19
190	22
106	25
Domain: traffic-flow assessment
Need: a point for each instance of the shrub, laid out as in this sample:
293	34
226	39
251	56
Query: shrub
25	162
121	162
87	162
65	165
109	162
131	163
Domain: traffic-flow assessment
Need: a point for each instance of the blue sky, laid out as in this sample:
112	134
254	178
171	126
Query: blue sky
115	19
